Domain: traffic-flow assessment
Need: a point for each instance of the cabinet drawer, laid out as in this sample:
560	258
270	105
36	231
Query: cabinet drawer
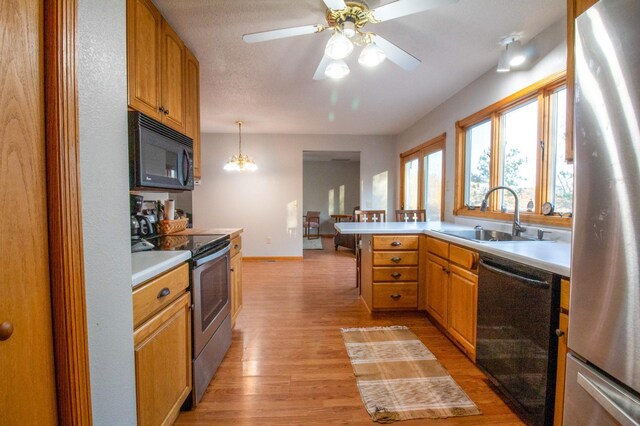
382	258
392	295
236	245
395	242
147	299
395	273
466	258
438	247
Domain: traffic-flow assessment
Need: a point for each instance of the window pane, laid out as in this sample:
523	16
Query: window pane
519	146
478	155
561	173
433	185
411	184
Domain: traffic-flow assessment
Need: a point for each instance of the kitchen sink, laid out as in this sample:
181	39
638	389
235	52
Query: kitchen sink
485	235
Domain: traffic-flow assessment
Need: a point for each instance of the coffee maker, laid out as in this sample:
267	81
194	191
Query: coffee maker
143	222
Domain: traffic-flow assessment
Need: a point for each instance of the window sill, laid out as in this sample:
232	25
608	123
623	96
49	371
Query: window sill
525	217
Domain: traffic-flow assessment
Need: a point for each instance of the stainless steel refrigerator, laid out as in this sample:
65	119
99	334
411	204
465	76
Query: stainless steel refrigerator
603	367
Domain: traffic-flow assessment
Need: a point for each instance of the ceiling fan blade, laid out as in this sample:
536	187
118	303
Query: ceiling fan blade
282	33
406	7
319	75
335	4
396	55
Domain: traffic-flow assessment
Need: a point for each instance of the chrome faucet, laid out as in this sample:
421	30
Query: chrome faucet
517	228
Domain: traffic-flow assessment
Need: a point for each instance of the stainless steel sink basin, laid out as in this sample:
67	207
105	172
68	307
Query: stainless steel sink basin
485	235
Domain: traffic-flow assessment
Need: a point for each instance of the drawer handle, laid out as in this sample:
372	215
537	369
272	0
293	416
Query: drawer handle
396	275
395	296
164	292
235	246
396	259
396	243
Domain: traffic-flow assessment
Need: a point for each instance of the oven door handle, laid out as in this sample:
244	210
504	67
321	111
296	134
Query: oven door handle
214	255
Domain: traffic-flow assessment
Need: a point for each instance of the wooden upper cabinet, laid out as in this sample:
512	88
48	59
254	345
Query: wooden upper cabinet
155	65
192	108
144	24
574	9
173	78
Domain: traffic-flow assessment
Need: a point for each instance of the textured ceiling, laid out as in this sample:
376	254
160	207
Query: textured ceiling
269	85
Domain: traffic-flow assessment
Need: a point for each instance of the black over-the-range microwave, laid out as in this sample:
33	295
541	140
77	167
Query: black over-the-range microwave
159	157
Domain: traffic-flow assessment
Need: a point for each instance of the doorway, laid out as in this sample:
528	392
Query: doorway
331	185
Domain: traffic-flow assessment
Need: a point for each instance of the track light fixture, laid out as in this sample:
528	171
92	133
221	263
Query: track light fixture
513	54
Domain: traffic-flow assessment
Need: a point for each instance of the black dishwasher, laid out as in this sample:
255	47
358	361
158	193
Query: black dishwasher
518	312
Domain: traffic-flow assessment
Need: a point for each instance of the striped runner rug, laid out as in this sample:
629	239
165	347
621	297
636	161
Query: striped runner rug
400	379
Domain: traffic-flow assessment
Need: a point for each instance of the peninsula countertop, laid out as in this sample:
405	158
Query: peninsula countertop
553	256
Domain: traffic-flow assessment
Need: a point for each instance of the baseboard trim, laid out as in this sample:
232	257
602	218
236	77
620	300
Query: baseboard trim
272	259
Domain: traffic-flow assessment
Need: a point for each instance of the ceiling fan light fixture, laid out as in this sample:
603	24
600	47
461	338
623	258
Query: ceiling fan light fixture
371	56
348	29
337	69
516	53
503	62
338	46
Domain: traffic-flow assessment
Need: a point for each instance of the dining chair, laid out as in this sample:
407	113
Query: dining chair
411	215
370	216
311	222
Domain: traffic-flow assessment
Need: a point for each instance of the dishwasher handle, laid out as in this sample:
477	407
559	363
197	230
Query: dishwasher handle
528	281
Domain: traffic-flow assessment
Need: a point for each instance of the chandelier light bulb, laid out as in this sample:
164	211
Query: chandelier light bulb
338	46
371	56
337	69
348	29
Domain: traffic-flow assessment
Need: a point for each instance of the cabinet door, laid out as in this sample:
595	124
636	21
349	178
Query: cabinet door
162	351
173	78
236	287
463	302
437	288
192	108
144	26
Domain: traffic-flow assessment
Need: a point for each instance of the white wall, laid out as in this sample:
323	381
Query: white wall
549	48
268	202
320	177
102	96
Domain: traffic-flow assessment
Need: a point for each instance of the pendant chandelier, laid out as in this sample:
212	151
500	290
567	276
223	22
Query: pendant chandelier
240	162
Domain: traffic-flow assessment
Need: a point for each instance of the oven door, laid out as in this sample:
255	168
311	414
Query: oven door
211	283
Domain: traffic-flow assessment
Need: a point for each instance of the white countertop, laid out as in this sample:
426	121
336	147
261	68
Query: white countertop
553	256
147	264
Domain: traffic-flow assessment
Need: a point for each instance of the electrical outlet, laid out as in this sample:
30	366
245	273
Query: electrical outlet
268	240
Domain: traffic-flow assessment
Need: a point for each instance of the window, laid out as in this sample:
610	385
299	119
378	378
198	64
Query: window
422	183
518	142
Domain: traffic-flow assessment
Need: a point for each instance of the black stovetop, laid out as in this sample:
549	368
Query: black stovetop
196	244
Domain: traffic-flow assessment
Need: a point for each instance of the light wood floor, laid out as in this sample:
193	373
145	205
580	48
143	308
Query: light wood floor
287	364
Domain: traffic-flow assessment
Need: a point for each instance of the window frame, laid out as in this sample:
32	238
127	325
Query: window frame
420	152
542	91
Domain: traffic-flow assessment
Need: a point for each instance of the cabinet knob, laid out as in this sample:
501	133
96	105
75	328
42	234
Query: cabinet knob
395	296
6	330
166	112
164	292
161	109
232	270
395	243
396	259
396	275
559	333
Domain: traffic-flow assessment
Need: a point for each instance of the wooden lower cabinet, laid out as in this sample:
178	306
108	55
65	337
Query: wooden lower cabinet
463	303
563	334
390	271
236	278
162	347
452	291
437	288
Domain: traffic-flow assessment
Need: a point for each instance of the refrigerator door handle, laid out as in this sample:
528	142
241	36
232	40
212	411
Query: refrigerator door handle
610	398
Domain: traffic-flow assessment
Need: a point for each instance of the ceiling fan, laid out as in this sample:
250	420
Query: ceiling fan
347	20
